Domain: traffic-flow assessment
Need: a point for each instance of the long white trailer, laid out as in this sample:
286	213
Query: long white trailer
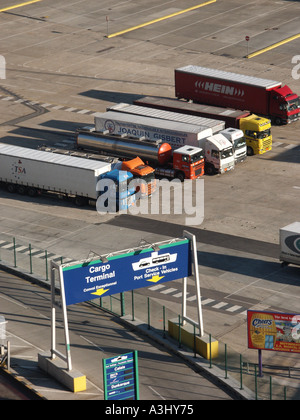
33	171
215	125
177	134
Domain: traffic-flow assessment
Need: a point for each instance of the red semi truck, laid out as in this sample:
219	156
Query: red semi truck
232	90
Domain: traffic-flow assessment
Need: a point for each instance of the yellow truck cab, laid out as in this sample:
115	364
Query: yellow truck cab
257	131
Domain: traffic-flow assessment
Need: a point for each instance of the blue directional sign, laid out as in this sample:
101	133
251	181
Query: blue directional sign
120	377
87	281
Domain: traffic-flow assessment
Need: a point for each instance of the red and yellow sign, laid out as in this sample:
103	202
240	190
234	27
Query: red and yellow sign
273	331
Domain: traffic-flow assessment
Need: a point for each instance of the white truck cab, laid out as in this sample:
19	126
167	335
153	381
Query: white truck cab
218	154
237	139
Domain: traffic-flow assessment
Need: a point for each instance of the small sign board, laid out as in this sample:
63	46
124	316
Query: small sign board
120	377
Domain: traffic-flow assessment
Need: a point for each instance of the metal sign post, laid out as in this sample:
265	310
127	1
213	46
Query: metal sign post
193	242
54	352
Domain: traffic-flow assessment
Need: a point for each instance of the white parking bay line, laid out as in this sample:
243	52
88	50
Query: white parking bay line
156	287
220	305
171	290
233	308
206	301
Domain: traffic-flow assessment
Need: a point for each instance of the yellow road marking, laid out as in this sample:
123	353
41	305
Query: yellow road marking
271	47
18	5
160	19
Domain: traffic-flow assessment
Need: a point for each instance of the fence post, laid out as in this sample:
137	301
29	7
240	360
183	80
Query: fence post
30	259
46	259
270	387
15	254
255	381
122	304
132	304
179	332
164	321
241	370
148	305
226	375
210	358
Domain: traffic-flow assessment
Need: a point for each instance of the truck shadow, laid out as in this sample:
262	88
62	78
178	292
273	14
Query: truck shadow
252	267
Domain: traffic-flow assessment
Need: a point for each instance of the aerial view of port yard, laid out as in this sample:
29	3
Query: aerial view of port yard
149	202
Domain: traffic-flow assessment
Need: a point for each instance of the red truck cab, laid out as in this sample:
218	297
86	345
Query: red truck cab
284	105
188	160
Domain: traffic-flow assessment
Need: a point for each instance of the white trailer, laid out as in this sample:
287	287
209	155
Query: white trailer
177	134
32	171
215	125
290	244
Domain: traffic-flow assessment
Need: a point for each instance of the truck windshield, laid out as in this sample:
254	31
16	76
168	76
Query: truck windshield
148	178
264	134
239	143
196	157
226	153
292	105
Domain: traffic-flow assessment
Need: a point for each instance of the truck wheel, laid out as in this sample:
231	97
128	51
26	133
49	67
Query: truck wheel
32	192
21	190
210	169
11	188
277	121
180	176
250	151
80	201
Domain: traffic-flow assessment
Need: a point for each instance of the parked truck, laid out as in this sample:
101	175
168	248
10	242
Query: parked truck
188	134
33	172
142	173
235	136
290	244
257	130
227	89
186	162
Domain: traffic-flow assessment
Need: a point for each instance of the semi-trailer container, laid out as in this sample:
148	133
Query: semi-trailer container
33	172
215	125
290	244
257	130
186	162
238	91
175	133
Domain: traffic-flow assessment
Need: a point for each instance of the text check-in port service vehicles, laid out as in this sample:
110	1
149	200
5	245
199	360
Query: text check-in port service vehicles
33	172
234	135
182	163
238	91
257	130
177	134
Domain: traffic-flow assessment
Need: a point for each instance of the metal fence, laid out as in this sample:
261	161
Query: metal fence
277	383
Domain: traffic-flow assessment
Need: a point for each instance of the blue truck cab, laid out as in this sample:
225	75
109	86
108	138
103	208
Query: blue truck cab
116	193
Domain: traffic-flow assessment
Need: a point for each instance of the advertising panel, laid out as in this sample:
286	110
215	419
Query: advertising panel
121	273
273	331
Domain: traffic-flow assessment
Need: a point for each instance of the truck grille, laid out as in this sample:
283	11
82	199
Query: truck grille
267	144
198	171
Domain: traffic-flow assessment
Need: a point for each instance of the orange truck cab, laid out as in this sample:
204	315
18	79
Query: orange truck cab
142	172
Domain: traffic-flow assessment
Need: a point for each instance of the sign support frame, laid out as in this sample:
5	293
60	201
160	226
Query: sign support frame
54	352
194	255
